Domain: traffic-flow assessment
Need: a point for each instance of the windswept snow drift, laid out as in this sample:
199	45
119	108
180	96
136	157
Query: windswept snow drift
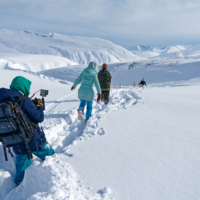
34	63
81	50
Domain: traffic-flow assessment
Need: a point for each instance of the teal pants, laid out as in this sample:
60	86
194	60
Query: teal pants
22	162
89	107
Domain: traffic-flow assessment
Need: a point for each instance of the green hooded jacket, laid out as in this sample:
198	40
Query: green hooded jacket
88	78
21	84
104	79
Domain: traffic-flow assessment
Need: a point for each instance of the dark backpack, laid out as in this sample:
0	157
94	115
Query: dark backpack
15	127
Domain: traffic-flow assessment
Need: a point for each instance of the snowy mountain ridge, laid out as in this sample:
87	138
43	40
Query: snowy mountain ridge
79	49
167	51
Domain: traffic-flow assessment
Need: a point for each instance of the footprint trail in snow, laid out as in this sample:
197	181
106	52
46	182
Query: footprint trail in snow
56	179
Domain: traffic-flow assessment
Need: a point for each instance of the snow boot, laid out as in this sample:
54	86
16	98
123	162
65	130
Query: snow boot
106	101
80	115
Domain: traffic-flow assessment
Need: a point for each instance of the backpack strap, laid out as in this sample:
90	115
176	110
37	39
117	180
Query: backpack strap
9	151
19	149
36	145
5	154
29	150
20	101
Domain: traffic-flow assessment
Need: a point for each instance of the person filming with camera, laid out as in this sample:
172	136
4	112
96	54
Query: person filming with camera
32	112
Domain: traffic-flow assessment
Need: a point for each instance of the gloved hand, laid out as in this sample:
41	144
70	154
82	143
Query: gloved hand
72	88
39	103
99	97
35	101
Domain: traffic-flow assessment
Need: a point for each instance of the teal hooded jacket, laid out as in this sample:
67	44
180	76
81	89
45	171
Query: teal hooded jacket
88	78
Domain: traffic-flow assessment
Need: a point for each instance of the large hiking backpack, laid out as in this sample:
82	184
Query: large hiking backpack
15	127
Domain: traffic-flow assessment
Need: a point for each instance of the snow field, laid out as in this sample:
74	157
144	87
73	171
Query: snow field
65	133
155	71
55	178
6	181
149	151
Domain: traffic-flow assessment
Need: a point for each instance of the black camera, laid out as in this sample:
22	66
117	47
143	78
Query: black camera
43	93
35	101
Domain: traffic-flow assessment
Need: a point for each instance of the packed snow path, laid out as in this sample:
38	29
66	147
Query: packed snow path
65	130
55	178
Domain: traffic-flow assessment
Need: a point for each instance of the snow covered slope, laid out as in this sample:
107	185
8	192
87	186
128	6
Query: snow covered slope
33	63
156	71
153	70
144	144
143	51
178	51
81	50
182	52
150	150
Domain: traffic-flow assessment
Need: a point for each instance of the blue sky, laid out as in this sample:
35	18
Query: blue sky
124	22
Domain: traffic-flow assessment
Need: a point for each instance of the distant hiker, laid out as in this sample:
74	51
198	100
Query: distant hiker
18	92
114	85
142	83
88	78
134	84
120	85
105	80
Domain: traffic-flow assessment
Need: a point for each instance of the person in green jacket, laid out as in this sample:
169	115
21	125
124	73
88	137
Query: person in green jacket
88	78
104	80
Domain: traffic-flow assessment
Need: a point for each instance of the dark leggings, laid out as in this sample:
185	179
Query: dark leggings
105	95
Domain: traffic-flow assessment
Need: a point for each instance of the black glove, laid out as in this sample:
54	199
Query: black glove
38	102
35	101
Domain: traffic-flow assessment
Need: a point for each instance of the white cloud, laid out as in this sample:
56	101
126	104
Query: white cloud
135	22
